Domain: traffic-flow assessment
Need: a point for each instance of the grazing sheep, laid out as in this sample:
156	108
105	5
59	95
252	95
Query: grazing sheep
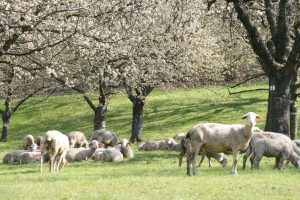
217	138
152	145
220	157
28	140
106	137
266	134
77	139
110	155
273	148
56	145
87	154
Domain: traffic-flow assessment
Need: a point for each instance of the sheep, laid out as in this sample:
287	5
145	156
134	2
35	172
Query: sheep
37	140
266	134
273	148
126	149
152	145
220	157
217	138
12	157
297	142
56	145
110	155
72	152
28	140
88	153
28	157
77	139
106	137
178	136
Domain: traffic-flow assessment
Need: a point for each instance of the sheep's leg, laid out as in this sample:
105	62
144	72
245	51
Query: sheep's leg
246	156
202	158
188	164
234	162
193	164
180	159
209	163
276	166
51	164
256	161
280	163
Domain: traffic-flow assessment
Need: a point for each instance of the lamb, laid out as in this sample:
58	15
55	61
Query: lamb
28	140
106	137
167	144
77	139
220	157
88	153
217	138
56	145
266	134
273	148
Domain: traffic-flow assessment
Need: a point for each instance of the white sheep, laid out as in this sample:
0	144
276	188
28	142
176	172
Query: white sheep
217	138
12	157
152	145
77	139
273	148
56	145
106	137
178	136
28	157
28	140
72	152
126	149
267	134
87	154
110	155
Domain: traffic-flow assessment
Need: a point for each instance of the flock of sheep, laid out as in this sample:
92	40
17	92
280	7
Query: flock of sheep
211	140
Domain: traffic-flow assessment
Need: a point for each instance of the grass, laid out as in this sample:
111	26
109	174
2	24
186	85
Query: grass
151	175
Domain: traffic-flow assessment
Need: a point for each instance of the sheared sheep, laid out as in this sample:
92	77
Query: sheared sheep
153	145
72	152
56	145
106	137
273	148
87	154
110	155
266	134
77	139
217	138
28	140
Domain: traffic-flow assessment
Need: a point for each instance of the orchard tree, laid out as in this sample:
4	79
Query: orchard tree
272	29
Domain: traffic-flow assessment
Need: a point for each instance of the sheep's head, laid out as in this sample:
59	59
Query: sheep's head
224	160
32	147
124	143
251	118
94	144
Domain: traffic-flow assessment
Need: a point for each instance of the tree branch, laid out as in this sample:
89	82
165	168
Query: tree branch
251	77
244	91
89	102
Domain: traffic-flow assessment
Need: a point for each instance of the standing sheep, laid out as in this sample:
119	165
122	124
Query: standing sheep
106	137
56	145
77	139
217	138
28	140
273	148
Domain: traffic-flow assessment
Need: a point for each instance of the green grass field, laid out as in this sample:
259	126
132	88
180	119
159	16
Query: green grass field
151	175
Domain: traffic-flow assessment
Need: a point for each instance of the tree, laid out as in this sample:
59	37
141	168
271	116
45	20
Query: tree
272	29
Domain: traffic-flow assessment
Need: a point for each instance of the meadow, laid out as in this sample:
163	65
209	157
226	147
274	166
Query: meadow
151	175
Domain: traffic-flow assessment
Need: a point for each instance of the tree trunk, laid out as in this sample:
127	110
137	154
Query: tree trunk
100	116
5	127
293	109
137	120
278	117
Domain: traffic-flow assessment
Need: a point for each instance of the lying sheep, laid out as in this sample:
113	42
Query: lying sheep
110	155
152	145
126	149
28	157
28	140
266	134
217	138
72	152
87	154
179	136
273	148
106	137
77	139
56	145
13	156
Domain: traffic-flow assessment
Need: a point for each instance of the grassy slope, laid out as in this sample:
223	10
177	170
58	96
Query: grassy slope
152	175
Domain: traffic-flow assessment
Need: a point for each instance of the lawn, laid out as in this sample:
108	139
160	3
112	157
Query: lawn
151	175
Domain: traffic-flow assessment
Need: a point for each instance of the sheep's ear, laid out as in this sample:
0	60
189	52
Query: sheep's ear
258	117
244	117
48	139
